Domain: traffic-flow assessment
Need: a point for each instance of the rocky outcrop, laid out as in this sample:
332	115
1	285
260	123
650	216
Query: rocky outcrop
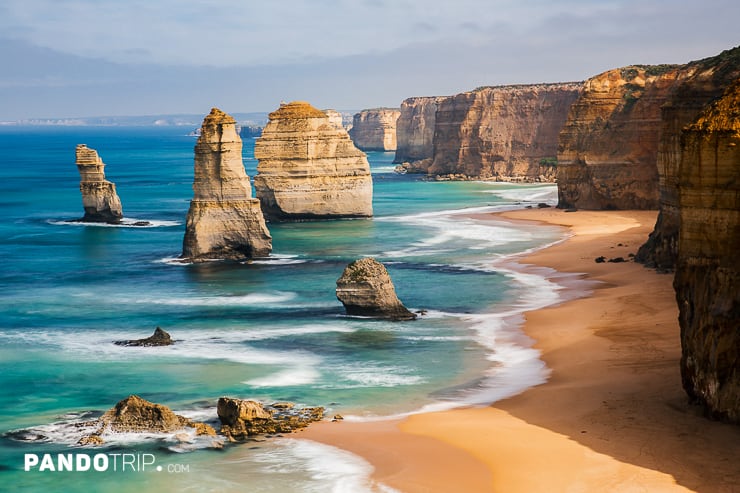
609	146
697	84
335	118
309	169
136	415
505	132
366	289
707	278
241	419
375	129
159	338
99	197
415	133
224	221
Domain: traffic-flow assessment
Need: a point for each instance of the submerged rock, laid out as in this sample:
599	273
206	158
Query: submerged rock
99	197
224	221
159	338
242	418
366	289
309	168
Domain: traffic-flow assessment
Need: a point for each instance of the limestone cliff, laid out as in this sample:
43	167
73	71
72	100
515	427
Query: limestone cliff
707	278
366	289
99	197
335	118
375	129
608	148
697	84
309	169
502	132
415	132
224	221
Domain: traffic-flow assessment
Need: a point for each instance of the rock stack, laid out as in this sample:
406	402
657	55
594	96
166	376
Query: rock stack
366	289
309	168
99	197
375	130
224	221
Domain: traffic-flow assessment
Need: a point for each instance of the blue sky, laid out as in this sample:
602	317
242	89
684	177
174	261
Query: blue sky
67	58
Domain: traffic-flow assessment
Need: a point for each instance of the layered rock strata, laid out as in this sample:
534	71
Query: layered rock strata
242	418
309	169
375	129
707	278
99	197
335	118
697	84
505	132
366	289
415	133
608	148
224	221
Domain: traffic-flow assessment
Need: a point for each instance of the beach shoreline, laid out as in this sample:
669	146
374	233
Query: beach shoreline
611	417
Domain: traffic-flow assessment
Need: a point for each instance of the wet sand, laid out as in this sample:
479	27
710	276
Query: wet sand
612	417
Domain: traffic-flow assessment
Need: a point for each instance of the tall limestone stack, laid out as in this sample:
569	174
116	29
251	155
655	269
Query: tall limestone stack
99	197
707	278
224	221
415	133
504	132
375	129
697	85
608	148
309	169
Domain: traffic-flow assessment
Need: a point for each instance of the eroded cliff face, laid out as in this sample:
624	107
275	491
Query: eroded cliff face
309	169
707	281
506	132
697	84
415	132
375	129
608	147
99	197
224	221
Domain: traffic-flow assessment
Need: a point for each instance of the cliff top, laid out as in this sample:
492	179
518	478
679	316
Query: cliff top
381	108
543	85
216	116
723	115
296	109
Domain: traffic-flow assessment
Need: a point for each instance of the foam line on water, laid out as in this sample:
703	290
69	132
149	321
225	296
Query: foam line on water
126	222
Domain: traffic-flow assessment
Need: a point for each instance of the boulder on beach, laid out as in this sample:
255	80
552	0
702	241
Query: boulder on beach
242	418
366	289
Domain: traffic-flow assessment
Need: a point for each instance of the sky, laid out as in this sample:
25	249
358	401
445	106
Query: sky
77	58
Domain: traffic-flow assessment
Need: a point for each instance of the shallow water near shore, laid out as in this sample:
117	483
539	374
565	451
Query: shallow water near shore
270	329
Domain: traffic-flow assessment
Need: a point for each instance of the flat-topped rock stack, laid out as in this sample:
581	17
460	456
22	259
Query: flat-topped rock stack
309	168
224	220
99	197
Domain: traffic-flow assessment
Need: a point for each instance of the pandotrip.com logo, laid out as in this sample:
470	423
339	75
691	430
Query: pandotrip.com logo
101	462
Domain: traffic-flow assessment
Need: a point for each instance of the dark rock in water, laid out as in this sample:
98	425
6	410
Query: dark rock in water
159	338
617	260
543	205
366	289
141	223
241	419
600	260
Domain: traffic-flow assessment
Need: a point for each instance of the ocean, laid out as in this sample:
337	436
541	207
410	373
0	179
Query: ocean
271	329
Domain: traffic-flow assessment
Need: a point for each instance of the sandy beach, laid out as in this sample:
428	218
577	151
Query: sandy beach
612	417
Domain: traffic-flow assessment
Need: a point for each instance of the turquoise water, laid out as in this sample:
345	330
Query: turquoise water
270	329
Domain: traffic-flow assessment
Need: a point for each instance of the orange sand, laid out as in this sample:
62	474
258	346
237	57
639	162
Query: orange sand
612	417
